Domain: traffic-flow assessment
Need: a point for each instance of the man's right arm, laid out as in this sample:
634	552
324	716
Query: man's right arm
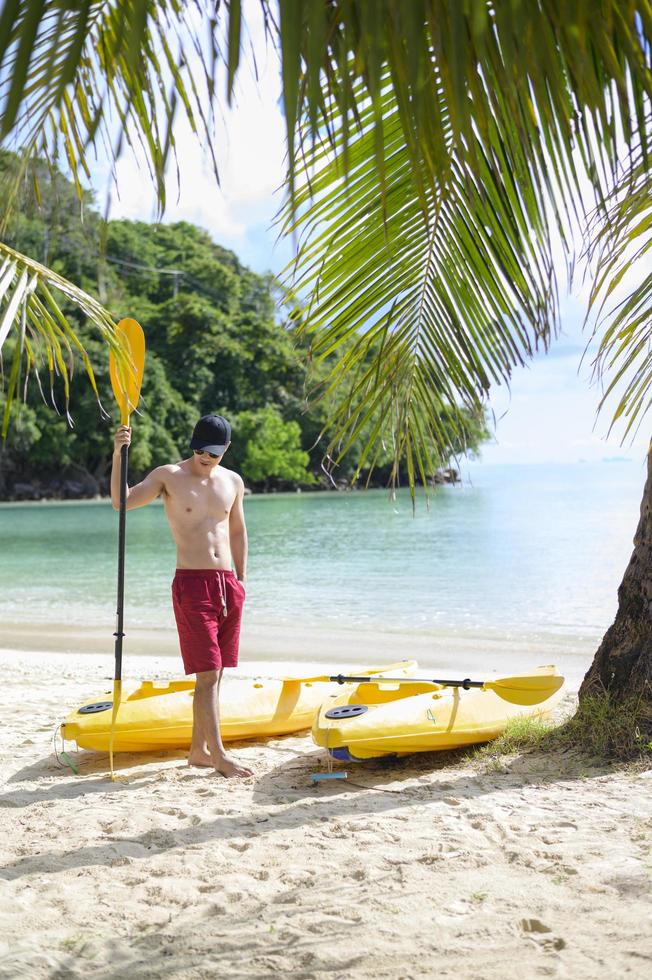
143	493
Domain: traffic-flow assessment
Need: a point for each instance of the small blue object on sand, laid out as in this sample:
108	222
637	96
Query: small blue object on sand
317	777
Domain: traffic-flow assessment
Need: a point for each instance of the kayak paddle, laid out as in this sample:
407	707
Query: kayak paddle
528	689
405	665
126	378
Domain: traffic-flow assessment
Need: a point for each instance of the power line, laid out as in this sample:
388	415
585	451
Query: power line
138	265
152	270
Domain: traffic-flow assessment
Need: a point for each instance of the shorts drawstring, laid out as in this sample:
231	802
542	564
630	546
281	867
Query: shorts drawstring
222	586
209	632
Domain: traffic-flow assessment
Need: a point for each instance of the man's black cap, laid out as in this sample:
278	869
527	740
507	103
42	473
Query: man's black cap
212	434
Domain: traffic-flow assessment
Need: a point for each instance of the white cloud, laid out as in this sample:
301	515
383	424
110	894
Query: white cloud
250	156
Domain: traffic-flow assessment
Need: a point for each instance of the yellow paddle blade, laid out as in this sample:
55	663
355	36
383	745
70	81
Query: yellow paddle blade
528	689
127	374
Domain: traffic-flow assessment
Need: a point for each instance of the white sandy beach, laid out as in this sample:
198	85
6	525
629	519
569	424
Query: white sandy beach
432	866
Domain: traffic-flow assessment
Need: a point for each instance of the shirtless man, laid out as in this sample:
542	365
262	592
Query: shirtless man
203	505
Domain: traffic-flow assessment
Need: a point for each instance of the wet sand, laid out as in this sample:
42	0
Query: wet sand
260	641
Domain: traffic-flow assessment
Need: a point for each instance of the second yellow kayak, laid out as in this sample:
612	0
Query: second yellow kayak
377	719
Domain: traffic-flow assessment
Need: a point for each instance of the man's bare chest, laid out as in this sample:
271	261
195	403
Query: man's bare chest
192	499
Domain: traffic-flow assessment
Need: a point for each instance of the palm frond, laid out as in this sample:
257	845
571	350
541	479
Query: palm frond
431	308
559	77
75	78
442	140
475	118
45	336
552	74
111	74
619	246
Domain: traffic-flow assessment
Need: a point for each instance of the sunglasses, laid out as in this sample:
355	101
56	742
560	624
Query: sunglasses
203	452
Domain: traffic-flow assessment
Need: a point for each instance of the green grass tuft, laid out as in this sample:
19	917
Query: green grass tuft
608	728
520	735
601	727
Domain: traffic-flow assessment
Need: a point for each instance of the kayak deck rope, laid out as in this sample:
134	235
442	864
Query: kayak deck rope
67	761
316	777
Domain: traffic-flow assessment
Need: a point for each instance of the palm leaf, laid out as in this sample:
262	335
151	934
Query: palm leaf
471	296
431	192
558	78
78	77
619	246
45	335
72	77
78	70
555	76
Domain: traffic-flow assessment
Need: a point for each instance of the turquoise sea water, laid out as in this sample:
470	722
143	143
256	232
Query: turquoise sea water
516	550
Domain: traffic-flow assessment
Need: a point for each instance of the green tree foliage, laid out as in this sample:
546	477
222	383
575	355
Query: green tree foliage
268	449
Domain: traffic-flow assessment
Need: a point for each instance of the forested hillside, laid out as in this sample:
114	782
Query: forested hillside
217	341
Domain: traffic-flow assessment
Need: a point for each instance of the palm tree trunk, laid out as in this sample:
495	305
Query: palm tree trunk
623	663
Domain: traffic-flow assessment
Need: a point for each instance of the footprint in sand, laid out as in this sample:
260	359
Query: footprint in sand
359	874
108	828
429	858
158	839
534	925
542	935
131	882
215	909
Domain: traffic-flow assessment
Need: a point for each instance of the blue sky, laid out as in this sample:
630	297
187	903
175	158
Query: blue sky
549	413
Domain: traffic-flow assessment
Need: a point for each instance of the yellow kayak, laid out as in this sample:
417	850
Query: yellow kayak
158	714
385	718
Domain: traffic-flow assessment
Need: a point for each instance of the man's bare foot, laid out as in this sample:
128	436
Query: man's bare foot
200	758
227	767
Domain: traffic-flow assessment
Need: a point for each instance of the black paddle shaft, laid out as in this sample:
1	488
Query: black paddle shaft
122	525
347	679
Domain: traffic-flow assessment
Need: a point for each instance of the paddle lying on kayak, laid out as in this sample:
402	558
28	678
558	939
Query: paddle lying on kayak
126	378
525	689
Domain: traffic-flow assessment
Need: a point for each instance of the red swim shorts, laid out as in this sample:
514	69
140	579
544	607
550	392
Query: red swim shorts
208	609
